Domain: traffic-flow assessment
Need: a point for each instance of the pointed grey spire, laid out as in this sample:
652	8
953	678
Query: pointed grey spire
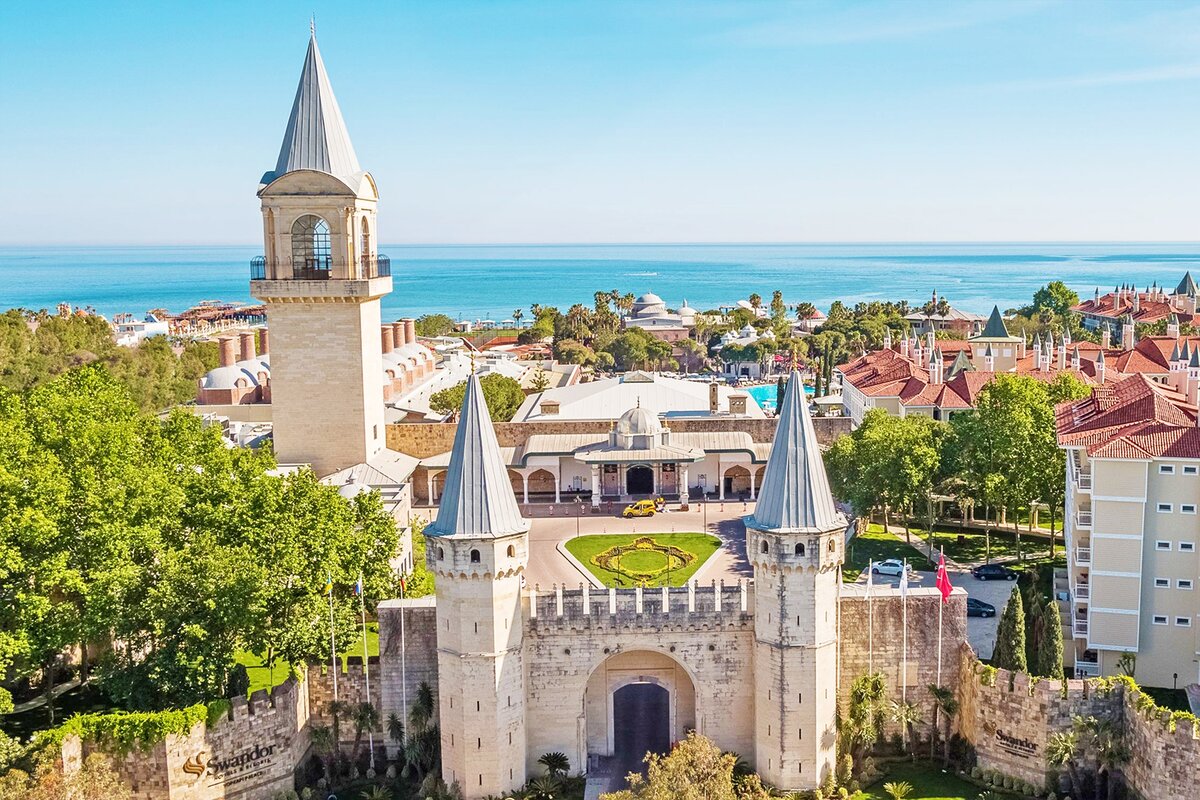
1184	355
995	328
1174	353
795	494
316	136
1194	362
477	498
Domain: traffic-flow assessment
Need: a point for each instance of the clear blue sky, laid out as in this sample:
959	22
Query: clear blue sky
614	121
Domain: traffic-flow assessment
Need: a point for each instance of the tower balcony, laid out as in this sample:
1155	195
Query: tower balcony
318	280
320	269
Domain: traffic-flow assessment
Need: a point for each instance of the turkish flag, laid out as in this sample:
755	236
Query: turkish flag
943	579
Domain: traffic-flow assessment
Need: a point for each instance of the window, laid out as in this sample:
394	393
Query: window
366	242
1187	508
1164	508
1159	619
832	546
766	548
1183	622
441	554
511	551
1191	470
474	556
1166	469
1187	547
799	549
1184	583
311	258
1162	583
1161	545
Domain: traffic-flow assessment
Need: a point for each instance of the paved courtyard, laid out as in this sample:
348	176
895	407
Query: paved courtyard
552	525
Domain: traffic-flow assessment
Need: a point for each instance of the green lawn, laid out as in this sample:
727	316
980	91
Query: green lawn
586	548
928	782
263	678
875	545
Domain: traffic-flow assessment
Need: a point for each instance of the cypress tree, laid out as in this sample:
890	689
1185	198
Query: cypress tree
779	393
1010	636
1050	648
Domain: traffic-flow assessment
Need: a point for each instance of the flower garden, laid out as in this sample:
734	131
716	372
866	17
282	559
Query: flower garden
661	559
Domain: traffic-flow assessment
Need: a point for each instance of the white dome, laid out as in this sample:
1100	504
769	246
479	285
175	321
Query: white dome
748	330
648	299
352	488
639	422
228	377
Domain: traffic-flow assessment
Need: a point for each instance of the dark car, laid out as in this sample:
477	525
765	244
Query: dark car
978	608
995	572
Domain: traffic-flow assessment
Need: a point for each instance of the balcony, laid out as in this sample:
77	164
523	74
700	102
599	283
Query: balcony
1083	479
1083	519
1087	669
1083	592
321	269
1083	555
1080	627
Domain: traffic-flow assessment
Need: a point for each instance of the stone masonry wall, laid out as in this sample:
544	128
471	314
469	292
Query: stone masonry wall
416	661
352	688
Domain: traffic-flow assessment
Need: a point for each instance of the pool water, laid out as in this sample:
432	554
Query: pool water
764	395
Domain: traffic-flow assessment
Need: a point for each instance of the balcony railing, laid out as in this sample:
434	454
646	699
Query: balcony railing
1080	628
1083	555
1083	479
1082	591
1087	669
320	269
1083	519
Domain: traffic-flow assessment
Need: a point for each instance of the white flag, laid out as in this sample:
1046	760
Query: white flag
904	580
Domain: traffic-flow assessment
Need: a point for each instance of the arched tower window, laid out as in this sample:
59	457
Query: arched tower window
832	546
474	556
512	551
799	549
766	548
441	554
311	258
366	244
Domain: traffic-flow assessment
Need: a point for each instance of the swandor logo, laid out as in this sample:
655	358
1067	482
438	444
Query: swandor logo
195	765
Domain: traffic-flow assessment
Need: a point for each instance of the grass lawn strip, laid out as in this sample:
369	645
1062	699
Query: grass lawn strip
587	548
263	678
929	783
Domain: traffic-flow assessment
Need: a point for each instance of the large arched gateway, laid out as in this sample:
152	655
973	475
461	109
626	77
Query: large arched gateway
637	702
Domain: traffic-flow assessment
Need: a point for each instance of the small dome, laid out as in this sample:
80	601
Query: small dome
228	377
639	422
649	298
352	488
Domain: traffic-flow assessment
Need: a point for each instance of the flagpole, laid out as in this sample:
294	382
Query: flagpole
403	656
941	602
870	622
332	641
362	605
904	637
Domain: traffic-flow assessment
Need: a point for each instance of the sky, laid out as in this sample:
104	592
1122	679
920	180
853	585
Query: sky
498	122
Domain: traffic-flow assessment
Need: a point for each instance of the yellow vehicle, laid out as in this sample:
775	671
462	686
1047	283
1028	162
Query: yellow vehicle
642	508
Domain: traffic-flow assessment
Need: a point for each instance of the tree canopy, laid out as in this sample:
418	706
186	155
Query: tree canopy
433	325
502	394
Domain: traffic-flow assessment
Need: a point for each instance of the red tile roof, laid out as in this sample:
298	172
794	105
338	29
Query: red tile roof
1133	418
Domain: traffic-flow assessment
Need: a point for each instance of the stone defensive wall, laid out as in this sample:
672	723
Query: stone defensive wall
250	753
715	607
351	688
1009	718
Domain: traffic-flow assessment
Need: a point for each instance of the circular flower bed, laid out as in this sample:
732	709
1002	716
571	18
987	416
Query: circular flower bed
644	559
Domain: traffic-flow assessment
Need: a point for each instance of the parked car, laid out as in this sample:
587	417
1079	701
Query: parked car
995	572
642	508
978	608
891	566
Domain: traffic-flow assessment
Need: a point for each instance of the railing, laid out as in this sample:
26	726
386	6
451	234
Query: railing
1083	555
319	269
1087	669
1080	627
1083	479
1083	519
1082	591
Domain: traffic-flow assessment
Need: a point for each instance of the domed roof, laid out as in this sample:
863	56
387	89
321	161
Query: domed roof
649	298
639	422
255	365
414	350
352	488
227	378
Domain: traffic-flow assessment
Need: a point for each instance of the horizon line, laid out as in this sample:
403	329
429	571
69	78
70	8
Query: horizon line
694	243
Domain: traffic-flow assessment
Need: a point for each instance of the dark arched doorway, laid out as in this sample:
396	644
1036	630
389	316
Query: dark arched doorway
641	724
639	480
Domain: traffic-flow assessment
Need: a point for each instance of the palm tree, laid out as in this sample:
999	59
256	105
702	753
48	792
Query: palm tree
422	748
1108	744
376	793
556	764
517	314
338	710
755	301
898	790
1062	751
906	715
323	742
365	717
543	787
947	707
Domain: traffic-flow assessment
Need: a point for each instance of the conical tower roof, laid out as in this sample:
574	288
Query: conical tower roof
795	494
477	498
995	328
961	364
316	136
1187	286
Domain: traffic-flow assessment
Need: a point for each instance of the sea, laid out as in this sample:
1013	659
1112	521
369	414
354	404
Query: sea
479	282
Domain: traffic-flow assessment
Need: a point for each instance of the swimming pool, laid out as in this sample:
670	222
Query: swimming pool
764	395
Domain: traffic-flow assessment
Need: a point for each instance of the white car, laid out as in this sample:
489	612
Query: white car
892	566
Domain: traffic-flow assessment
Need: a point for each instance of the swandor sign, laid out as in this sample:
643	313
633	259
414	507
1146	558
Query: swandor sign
1014	745
244	765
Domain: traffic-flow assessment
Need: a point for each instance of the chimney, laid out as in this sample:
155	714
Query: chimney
1100	367
904	346
714	399
1193	382
410	330
1075	358
247	341
228	350
989	359
1062	354
1105	337
737	404
387	338
398	334
929	339
1024	341
1173	326
887	338
935	366
264	342
1127	334
1137	301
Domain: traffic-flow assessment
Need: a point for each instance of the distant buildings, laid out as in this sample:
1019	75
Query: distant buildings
650	313
963	323
1126	304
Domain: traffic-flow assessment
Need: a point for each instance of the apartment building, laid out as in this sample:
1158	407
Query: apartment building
1132	529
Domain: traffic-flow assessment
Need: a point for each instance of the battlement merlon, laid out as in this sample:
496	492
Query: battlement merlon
714	603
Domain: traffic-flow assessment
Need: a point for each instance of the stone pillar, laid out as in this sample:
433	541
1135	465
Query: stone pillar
595	485
557	484
683	484
525	484
720	481
246	340
752	481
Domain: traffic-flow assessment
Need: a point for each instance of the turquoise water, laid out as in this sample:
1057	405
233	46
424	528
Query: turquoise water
764	395
490	281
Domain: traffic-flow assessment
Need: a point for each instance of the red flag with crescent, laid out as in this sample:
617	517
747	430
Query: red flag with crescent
943	579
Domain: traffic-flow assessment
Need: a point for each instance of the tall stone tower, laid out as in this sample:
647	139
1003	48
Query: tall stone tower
321	280
478	549
795	542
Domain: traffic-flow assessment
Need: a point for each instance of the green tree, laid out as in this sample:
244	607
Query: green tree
906	715
695	769
502	394
945	707
898	790
433	325
557	764
778	308
1056	298
1009	652
1050	646
540	381
631	349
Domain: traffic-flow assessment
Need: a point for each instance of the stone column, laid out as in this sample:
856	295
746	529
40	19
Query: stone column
557	484
751	481
525	484
682	475
595	485
720	481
